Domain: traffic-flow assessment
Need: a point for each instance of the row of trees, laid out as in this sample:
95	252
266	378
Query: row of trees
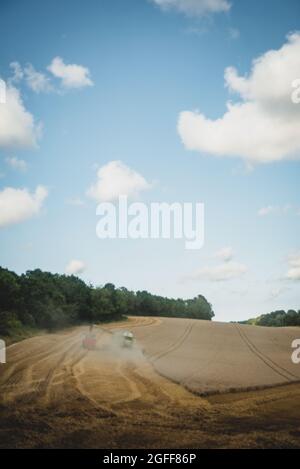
43	300
277	319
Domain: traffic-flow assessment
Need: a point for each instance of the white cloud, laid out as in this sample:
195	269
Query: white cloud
264	125
17	205
115	179
75	267
224	254
274	210
18	73
294	260
17	126
276	292
226	271
294	270
16	163
264	211
71	75
37	81
195	7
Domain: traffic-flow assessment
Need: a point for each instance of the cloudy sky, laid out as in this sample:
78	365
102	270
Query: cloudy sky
164	101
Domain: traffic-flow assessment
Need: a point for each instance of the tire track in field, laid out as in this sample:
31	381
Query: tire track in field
174	346
77	371
145	392
23	371
137	322
272	365
41	390
284	370
14	372
49	384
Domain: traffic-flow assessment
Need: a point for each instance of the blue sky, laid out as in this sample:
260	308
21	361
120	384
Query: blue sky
140	67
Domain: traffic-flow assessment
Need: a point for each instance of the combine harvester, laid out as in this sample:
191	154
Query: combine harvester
128	339
125	340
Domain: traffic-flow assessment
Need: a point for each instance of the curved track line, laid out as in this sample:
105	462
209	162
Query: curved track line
284	370
42	390
76	375
20	365
145	323
134	390
174	346
259	355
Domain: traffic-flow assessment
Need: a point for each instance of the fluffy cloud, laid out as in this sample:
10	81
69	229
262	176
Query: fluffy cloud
75	267
224	254
195	7
37	81
18	73
264	211
273	210
71	75
226	271
17	126
263	126
276	292
294	270
16	163
17	205
115	179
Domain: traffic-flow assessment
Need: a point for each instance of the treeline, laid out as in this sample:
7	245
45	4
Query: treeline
276	319
43	300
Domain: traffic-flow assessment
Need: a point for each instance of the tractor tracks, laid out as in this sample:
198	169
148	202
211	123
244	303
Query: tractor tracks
14	373
278	369
174	346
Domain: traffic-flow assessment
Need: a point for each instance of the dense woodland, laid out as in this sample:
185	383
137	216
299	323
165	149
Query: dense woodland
42	300
277	319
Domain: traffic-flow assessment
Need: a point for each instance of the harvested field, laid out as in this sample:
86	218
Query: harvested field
56	394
